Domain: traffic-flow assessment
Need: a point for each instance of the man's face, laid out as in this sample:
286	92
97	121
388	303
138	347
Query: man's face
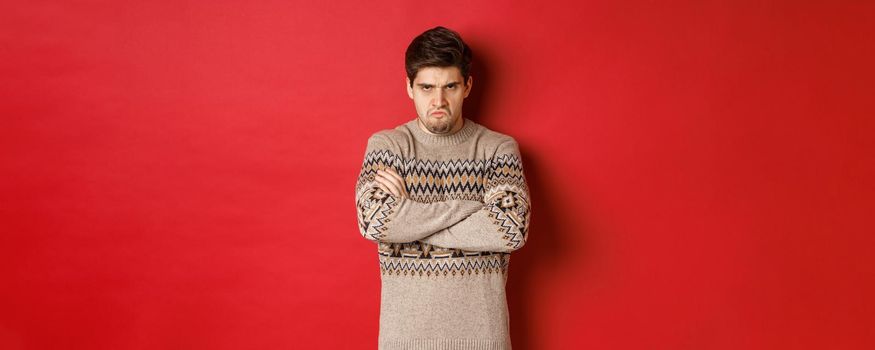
438	93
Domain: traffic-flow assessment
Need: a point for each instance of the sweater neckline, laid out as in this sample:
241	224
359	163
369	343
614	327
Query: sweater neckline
462	135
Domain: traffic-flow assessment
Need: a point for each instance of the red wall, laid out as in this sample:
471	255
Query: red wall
180	174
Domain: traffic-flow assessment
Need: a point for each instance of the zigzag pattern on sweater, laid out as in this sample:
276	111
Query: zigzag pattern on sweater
422	250
495	263
429	181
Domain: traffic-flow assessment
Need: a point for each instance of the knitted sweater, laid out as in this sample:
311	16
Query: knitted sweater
444	252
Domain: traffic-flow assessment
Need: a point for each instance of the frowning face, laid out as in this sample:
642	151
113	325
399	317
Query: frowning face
438	93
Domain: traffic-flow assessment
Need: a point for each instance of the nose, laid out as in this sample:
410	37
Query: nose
439	98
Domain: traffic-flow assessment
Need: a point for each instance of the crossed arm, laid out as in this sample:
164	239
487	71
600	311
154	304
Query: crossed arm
498	223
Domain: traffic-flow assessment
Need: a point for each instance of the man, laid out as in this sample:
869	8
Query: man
446	202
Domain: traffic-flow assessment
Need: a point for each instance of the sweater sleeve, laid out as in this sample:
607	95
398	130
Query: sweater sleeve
384	217
501	225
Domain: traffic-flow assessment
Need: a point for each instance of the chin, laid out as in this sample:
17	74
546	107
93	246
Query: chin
439	128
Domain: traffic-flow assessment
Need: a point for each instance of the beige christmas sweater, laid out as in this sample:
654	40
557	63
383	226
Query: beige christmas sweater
444	250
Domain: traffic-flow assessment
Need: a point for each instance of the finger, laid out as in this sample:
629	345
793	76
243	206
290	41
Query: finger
395	179
389	190
389	185
384	174
402	185
391	171
401	181
394	174
399	184
398	179
386	184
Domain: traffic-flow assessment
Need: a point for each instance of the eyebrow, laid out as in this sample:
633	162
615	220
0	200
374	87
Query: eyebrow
432	85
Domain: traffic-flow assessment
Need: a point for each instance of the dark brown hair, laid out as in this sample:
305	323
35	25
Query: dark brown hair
437	47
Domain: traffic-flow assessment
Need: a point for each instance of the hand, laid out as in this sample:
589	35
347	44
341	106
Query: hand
390	181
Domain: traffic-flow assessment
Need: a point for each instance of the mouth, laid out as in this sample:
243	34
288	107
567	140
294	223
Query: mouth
438	114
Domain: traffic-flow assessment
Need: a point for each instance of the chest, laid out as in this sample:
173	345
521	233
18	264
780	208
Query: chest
435	180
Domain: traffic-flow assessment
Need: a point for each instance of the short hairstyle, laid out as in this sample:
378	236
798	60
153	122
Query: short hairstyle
437	47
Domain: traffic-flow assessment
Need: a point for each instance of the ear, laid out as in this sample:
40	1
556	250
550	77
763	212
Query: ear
468	85
409	89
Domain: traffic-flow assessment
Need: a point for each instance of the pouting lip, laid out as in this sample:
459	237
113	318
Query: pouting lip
438	112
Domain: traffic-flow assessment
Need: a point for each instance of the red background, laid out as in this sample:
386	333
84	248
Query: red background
180	174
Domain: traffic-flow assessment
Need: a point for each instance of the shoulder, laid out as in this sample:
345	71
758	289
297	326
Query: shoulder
393	140
498	143
385	137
